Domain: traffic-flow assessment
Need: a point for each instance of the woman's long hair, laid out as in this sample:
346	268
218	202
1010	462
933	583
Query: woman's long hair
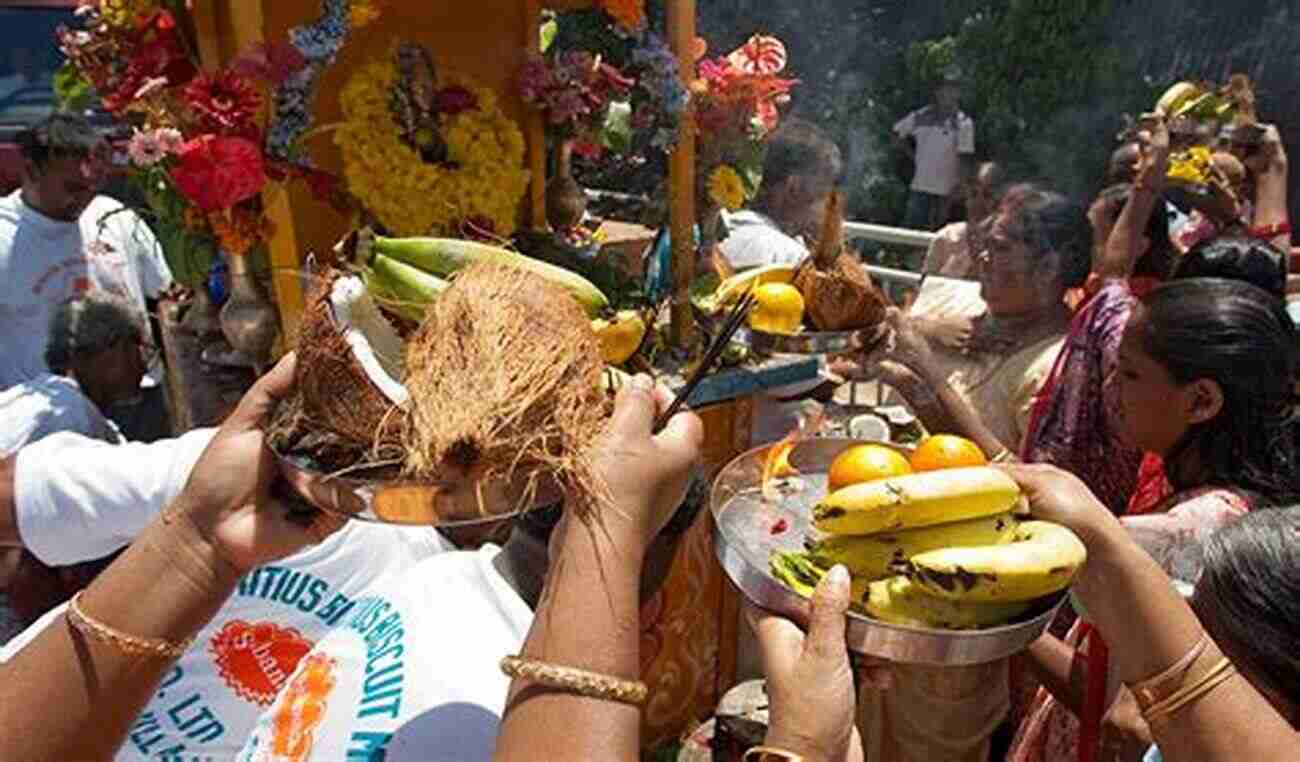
1248	598
1242	338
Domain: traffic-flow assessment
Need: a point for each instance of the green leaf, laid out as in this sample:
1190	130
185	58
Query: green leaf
71	88
550	29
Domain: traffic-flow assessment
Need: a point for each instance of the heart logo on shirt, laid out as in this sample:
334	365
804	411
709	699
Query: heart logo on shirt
256	660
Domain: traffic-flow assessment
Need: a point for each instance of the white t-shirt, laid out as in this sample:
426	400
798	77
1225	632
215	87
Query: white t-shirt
414	669
939	143
45	263
47	405
80	499
754	240
208	703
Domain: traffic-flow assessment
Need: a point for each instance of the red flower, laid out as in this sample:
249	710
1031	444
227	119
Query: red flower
454	100
218	172
225	103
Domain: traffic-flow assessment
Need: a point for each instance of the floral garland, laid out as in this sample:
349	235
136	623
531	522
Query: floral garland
481	186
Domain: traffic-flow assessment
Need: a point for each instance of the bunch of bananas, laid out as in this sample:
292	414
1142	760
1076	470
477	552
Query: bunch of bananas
940	549
407	274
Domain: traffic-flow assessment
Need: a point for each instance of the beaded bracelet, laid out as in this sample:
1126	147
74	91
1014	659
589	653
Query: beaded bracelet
127	644
581	682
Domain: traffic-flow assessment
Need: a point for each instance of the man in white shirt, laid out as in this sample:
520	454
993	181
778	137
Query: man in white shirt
800	169
941	141
67	499
97	356
414	673
59	240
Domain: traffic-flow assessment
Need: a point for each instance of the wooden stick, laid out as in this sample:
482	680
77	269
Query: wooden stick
681	193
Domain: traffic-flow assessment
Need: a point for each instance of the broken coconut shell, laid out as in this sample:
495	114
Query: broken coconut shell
837	290
335	396
505	384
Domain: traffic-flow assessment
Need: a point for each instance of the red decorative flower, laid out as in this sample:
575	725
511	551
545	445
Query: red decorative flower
455	100
218	172
225	102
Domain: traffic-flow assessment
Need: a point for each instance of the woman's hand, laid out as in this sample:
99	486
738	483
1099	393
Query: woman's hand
1059	496
952	332
1125	735
228	497
809	678
907	345
1269	159
647	474
1153	157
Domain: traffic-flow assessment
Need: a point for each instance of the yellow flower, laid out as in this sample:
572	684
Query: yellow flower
726	189
121	12
412	197
364	12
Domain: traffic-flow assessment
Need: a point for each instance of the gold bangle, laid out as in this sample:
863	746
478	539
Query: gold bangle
579	681
1157	689
1218	675
127	644
1001	457
771	754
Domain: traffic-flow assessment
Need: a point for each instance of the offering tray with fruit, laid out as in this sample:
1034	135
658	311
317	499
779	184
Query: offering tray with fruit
752	529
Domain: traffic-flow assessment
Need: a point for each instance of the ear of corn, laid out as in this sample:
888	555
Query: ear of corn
444	257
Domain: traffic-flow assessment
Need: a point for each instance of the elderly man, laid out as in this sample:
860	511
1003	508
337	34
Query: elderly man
97	355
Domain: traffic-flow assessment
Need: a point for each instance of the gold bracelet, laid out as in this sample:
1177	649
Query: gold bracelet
1001	457
1218	675
581	682
127	644
771	754
1157	689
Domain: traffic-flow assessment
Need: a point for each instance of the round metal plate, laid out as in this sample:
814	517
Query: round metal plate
378	498
746	533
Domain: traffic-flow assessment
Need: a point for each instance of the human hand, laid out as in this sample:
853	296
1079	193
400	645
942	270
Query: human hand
952	332
1061	497
646	474
228	497
907	345
809	678
1125	735
1153	155
1269	159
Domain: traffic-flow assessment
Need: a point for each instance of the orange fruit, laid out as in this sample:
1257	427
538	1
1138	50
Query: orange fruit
864	463
947	451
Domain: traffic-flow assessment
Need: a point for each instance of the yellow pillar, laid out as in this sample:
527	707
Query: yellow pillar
681	36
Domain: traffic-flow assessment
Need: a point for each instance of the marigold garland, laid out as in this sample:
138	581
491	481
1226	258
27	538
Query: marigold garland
412	197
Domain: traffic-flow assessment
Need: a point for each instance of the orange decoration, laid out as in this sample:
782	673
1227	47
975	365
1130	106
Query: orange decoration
865	463
947	451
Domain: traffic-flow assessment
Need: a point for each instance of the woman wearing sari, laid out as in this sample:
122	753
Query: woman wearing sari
1200	373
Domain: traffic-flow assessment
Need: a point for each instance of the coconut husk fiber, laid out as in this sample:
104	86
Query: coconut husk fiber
837	289
504	377
334	407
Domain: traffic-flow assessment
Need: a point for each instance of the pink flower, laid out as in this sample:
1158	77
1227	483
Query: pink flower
218	172
169	139
144	149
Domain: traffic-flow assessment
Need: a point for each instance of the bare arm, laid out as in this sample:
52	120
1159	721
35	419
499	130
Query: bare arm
1121	253
1270	166
1055	665
588	617
8	507
164	588
1124	590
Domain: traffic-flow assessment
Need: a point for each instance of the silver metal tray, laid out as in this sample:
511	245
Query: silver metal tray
378	497
744	541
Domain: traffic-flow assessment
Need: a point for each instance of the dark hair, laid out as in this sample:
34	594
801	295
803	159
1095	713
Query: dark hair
540	523
1248	597
1159	259
1047	221
88	325
1120	167
1256	262
1240	337
801	148
58	136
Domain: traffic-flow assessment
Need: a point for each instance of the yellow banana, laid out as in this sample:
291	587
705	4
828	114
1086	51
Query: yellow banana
739	284
620	336
1043	560
916	500
872	558
898	600
1176	97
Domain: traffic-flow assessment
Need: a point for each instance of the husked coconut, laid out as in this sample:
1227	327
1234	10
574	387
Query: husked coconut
505	383
837	289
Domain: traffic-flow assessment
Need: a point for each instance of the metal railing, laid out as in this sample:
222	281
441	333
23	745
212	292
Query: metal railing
892	236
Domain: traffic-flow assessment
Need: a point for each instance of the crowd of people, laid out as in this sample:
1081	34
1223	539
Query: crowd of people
1131	364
